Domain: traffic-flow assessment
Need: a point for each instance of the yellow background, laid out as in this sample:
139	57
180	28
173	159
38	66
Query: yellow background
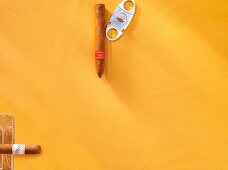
162	104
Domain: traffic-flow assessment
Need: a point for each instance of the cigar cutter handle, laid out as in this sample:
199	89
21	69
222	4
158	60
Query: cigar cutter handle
120	19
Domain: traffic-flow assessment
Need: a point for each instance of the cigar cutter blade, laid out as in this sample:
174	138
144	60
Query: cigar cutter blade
120	19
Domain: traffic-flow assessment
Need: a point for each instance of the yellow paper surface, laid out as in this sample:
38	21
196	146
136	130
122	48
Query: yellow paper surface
161	105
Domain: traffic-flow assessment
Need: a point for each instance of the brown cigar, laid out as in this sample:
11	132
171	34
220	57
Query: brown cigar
19	149
100	39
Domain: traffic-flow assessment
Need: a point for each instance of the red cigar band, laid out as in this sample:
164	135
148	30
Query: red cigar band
100	55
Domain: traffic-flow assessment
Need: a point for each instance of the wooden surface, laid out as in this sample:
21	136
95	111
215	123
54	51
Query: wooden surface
161	105
6	137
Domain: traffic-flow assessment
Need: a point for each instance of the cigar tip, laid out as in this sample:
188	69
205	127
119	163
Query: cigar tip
100	73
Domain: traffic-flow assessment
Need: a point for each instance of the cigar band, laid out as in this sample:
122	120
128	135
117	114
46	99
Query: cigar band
18	149
100	55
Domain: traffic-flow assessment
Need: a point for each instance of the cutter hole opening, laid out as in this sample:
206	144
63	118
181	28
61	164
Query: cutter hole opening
121	17
112	33
128	5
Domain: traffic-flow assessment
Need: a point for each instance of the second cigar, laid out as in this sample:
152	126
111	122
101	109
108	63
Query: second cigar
19	149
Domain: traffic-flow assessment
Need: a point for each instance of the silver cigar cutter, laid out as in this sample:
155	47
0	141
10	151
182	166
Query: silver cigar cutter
120	19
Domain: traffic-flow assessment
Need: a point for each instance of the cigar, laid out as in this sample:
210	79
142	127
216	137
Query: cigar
100	39
19	149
